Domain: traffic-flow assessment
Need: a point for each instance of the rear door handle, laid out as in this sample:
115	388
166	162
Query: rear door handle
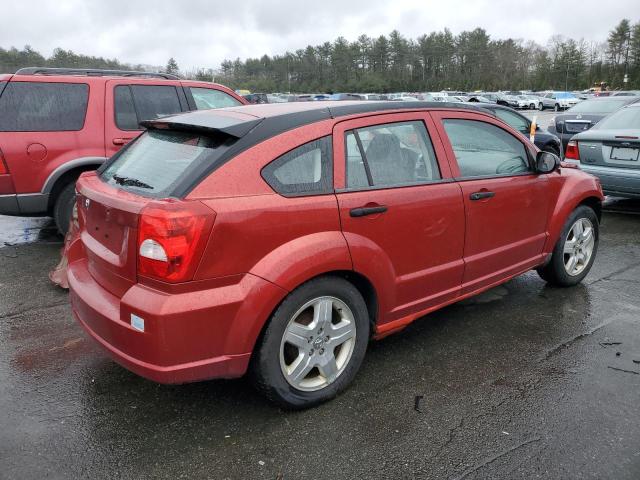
481	195
363	211
121	141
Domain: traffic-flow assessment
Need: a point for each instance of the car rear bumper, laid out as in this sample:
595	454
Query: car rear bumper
621	182
187	337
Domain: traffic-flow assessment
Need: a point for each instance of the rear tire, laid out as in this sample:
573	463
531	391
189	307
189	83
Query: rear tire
574	253
556	108
63	207
300	361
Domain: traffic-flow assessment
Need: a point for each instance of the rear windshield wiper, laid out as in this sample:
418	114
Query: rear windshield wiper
130	182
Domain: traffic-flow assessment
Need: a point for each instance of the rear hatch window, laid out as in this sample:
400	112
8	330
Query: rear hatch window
154	164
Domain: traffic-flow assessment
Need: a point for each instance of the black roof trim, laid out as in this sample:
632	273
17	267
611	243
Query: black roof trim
93	72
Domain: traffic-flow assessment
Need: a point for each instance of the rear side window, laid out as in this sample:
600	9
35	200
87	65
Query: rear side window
482	149
306	170
43	107
158	160
206	98
138	103
389	155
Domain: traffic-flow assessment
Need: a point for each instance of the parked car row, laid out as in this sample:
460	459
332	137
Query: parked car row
518	100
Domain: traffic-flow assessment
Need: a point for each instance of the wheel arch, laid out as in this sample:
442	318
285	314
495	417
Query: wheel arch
65	173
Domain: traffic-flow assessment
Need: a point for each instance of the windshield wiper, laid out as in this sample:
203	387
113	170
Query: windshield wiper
130	182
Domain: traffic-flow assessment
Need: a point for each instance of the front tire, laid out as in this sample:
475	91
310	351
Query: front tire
313	345
575	251
63	207
540	106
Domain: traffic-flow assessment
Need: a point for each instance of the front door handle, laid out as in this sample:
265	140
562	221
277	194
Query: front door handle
121	141
363	211
480	195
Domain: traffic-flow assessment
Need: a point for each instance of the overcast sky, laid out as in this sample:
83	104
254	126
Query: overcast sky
203	33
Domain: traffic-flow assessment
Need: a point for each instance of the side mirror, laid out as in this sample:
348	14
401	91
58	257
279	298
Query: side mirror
547	162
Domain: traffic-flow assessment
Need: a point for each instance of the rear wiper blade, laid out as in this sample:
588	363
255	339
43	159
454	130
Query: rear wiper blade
130	182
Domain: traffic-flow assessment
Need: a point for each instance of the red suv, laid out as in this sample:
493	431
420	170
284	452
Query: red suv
57	123
278	239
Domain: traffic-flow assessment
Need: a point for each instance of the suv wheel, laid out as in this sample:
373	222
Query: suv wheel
314	344
540	106
556	108
575	251
63	207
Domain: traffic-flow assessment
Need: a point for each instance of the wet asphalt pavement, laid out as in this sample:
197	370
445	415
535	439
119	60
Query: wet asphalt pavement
524	381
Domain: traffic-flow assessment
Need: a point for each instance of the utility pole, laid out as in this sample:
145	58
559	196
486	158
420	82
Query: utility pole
625	79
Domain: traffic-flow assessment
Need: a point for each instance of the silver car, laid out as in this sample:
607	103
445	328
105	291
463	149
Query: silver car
611	151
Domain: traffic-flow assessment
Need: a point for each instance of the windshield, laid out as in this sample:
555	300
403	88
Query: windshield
598	106
624	119
155	163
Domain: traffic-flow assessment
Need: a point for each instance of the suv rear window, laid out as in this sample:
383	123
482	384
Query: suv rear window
158	160
43	107
138	103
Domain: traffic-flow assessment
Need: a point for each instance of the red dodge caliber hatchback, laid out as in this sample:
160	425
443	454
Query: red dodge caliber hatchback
279	239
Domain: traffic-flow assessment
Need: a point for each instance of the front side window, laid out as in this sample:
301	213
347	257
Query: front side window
482	149
43	107
306	170
206	98
389	155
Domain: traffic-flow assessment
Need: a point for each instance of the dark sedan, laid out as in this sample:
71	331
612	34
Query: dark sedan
585	115
543	140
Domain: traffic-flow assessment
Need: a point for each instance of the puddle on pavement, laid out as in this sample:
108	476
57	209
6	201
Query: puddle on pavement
22	230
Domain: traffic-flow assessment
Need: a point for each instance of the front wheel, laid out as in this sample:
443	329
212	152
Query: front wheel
314	344
540	106
575	251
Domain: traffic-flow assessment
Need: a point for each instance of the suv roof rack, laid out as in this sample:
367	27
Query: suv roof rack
93	72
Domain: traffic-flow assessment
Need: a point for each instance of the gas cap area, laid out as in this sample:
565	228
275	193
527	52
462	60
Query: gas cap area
36	152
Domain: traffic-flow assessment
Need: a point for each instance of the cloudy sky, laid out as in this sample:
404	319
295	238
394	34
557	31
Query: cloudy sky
203	33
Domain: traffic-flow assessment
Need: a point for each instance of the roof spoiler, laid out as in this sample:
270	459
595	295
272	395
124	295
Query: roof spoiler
218	124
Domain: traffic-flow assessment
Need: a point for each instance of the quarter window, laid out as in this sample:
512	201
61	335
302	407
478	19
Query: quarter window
306	170
390	155
482	149
43	107
206	98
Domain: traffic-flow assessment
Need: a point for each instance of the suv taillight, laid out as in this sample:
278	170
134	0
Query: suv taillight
171	239
572	152
3	165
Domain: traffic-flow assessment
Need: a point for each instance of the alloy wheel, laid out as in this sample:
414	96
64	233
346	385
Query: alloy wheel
578	246
317	343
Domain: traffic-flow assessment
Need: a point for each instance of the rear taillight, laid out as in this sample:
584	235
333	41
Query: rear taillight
171	239
3	165
572	152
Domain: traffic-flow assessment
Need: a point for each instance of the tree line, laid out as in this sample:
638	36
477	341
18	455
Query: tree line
471	60
468	61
